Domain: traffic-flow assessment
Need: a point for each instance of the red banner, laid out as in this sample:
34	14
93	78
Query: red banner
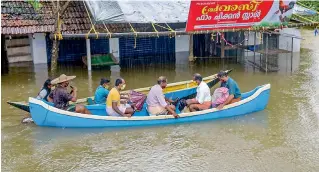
226	14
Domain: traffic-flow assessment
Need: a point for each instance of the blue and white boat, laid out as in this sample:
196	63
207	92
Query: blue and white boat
44	114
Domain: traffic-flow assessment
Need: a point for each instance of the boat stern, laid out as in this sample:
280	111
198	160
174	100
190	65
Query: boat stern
38	110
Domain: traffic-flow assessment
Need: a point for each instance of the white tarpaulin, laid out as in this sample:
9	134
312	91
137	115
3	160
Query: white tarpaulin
143	11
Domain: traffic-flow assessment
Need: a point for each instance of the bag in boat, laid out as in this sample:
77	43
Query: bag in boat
138	99
220	96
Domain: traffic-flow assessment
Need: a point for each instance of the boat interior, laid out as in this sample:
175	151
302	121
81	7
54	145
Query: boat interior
100	109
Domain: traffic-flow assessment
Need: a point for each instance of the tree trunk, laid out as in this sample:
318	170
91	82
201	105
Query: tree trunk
54	56
55	48
56	42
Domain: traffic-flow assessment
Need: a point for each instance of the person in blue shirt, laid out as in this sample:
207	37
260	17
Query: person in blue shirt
102	91
234	91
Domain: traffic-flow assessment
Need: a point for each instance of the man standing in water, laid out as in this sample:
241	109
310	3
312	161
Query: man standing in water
60	96
114	106
234	91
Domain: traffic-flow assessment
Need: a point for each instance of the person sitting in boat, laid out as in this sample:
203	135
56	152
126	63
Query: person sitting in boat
157	103
45	90
114	105
102	91
203	99
233	89
60	96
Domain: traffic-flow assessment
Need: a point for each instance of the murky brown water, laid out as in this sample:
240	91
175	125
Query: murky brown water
284	137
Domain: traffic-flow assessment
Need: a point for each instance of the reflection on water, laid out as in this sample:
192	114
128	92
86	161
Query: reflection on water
284	137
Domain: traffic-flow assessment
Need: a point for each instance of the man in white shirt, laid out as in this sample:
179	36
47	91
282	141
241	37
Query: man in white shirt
203	98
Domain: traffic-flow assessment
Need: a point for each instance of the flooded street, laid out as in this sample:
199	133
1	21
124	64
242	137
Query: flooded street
284	137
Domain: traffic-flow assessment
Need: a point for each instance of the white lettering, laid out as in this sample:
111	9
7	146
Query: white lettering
203	17
247	16
223	16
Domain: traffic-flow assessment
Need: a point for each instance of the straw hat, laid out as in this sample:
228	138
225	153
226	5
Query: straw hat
62	78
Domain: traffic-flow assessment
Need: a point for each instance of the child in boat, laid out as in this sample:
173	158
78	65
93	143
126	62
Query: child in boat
45	90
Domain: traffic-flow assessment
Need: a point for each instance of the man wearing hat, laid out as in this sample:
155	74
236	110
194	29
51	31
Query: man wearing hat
60	96
234	91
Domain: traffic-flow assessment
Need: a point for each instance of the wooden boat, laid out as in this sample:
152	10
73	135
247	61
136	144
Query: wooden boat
210	80
100	60
46	115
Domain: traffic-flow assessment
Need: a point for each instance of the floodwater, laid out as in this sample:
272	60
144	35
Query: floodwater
284	137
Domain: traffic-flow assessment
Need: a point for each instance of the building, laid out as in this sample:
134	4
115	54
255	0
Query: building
27	36
27	31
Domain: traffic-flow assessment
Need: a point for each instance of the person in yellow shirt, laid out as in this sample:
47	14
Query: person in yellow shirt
114	107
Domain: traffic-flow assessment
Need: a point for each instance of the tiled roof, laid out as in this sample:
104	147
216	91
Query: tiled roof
19	17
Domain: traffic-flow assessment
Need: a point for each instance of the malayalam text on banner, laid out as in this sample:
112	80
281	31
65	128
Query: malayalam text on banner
221	14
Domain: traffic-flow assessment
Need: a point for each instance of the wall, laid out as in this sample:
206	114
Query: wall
38	48
18	49
285	42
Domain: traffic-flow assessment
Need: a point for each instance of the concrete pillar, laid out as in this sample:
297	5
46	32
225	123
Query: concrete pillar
90	81
115	73
115	48
38	48
88	54
181	49
182	43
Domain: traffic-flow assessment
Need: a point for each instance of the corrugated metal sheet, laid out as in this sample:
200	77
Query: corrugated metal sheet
143	11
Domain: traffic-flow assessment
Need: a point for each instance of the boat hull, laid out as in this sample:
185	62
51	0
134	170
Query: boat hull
45	115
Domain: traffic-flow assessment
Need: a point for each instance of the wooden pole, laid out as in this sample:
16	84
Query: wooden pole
222	47
191	49
88	54
266	53
292	50
166	33
255	37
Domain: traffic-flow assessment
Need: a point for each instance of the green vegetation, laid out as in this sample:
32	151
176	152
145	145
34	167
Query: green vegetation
314	5
309	4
